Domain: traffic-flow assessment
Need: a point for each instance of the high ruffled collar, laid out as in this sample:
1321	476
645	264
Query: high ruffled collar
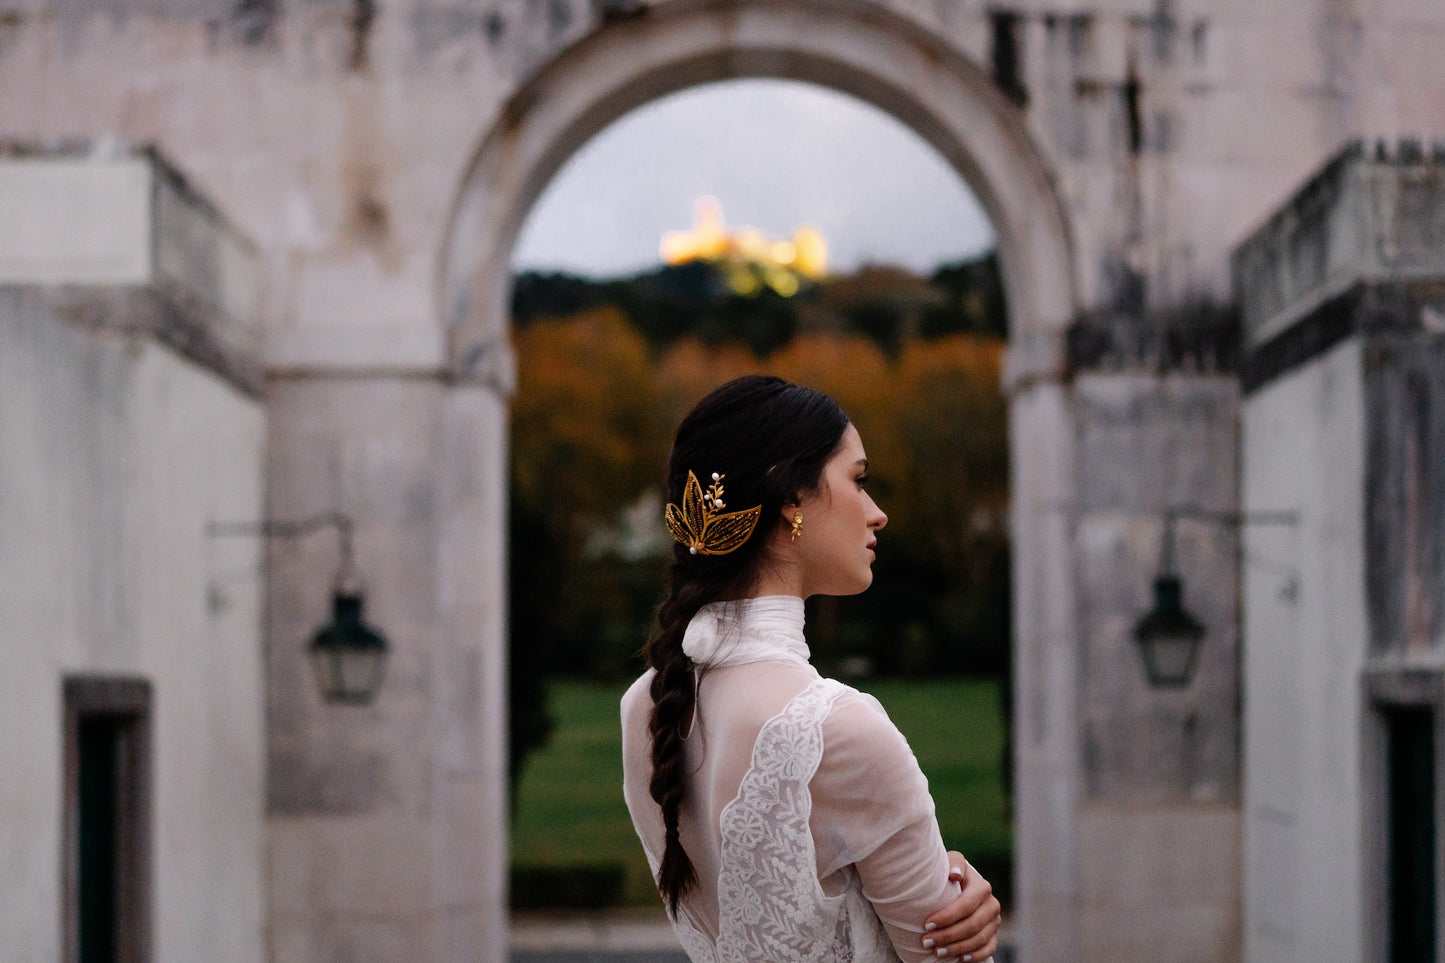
747	630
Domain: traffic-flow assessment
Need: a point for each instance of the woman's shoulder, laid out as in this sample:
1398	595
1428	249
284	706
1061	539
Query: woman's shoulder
641	687
637	700
855	702
859	721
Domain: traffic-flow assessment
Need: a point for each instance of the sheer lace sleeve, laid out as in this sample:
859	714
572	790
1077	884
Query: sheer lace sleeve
872	812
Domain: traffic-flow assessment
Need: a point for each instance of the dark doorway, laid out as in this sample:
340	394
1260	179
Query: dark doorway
107	819
1412	844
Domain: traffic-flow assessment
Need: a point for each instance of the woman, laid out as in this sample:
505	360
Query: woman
783	815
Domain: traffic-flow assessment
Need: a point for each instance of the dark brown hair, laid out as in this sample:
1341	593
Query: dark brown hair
771	439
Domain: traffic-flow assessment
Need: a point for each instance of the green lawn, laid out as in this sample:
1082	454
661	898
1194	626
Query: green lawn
570	810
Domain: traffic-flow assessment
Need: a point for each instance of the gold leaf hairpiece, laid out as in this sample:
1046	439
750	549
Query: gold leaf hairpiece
702	526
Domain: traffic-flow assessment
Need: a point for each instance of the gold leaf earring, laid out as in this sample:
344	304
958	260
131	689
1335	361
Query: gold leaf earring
797	525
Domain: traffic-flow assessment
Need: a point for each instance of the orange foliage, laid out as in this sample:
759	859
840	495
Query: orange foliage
584	419
594	415
949	420
688	370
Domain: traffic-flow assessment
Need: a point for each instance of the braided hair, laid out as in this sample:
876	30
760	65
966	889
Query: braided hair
771	439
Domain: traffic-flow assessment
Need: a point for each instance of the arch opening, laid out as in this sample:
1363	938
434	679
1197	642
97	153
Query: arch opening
879	58
762	155
624	344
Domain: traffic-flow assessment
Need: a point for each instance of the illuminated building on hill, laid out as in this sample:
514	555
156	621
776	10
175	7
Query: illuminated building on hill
748	259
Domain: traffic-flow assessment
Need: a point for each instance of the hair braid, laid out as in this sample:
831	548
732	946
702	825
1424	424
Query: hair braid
674	695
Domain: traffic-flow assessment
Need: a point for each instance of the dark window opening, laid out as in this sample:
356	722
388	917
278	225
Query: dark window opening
102	748
1410	758
1132	118
1007	60
107	802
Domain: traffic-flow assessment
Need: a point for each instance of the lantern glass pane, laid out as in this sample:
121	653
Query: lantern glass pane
1171	657
360	672
324	661
348	675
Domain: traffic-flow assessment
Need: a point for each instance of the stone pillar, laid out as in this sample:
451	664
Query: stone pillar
1046	725
387	821
1158	820
471	771
1126	796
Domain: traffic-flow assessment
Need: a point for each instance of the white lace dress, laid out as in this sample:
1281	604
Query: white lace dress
806	817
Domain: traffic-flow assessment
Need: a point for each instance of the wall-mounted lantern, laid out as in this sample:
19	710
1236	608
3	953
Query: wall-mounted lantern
348	656
1168	635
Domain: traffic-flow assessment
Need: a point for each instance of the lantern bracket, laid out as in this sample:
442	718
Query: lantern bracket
348	655
1169	635
273	528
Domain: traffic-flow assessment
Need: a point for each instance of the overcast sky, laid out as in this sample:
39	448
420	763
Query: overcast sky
777	155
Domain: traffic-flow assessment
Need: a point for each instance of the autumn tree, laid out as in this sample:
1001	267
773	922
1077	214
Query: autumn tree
689	369
593	420
585	444
948	424
583	420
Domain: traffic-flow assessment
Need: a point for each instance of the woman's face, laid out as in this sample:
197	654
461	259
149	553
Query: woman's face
835	552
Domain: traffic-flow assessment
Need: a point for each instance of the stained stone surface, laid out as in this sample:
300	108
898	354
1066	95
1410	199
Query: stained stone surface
1342	427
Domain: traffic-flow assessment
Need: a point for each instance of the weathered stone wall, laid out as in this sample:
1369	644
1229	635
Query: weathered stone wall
1158	825
387	821
1405	488
336	133
115	457
1176	435
1342	291
1304	628
129	424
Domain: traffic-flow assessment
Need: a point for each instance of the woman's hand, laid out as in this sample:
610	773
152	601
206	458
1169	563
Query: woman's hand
967	927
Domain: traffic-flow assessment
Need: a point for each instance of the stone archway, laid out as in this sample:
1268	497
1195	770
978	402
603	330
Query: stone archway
894	64
877	57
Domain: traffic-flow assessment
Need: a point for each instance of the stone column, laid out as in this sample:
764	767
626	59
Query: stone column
387	821
1046	736
1158	816
1126	798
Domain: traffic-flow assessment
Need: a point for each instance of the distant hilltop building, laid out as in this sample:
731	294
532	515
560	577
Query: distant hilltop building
748	258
